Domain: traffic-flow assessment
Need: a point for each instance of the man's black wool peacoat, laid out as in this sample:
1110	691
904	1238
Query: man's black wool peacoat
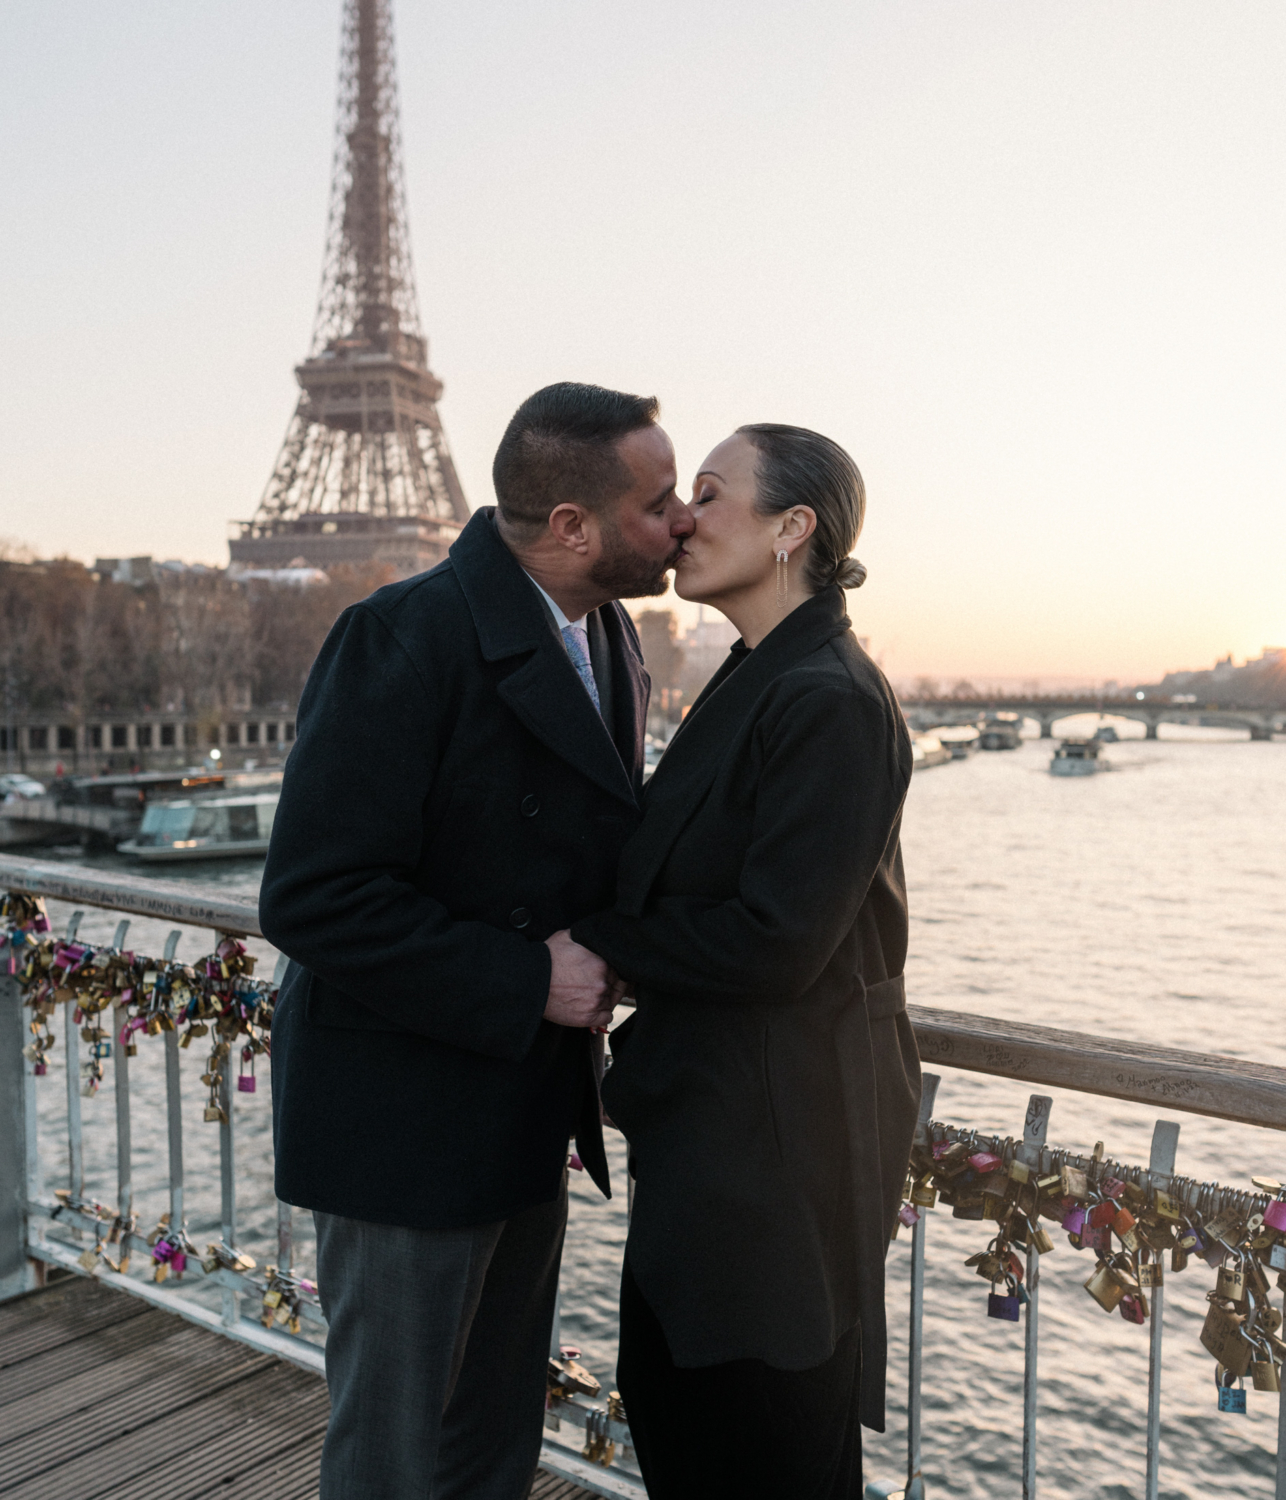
768	1083
452	799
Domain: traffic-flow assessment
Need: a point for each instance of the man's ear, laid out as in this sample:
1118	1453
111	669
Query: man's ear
570	527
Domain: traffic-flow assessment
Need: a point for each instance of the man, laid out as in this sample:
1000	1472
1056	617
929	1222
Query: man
467	768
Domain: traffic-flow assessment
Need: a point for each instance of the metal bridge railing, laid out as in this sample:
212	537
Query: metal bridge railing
1215	1086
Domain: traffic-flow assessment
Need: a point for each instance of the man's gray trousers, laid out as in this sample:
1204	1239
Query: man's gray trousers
436	1355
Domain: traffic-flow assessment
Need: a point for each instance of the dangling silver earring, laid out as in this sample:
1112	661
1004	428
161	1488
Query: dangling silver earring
783	580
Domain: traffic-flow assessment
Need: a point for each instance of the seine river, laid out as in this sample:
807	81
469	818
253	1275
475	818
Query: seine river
1148	903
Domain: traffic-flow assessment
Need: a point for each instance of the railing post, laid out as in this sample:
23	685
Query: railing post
285	1214
228	1176
174	1105
124	1153
915	1339
1165	1142
75	1145
1279	1491
285	1237
1035	1127
18	1127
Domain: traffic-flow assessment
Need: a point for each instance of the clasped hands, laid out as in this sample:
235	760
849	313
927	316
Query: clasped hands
583	988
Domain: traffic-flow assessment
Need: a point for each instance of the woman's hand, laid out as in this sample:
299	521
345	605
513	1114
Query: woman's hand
622	989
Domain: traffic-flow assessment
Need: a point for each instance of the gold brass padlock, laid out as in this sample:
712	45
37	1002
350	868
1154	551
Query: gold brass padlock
1105	1289
1222	1337
1074	1183
924	1194
1264	1375
1231	1283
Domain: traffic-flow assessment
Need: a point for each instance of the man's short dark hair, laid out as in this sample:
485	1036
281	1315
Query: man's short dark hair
560	449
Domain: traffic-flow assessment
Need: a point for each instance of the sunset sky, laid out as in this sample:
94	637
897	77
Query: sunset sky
1026	261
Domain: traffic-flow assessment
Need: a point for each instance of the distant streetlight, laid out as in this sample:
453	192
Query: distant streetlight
1140	695
218	754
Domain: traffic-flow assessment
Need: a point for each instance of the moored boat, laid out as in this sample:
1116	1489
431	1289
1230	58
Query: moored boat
928	750
213	827
1001	732
960	739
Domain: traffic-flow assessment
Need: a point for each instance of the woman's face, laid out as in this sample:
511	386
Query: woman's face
733	548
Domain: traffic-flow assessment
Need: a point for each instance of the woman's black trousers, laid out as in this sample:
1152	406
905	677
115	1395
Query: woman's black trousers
738	1431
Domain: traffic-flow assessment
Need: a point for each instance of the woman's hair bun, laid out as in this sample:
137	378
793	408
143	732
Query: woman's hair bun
849	573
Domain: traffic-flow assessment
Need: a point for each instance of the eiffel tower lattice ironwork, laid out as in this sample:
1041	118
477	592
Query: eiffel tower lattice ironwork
364	474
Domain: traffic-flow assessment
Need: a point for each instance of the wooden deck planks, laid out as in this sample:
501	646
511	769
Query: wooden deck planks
104	1398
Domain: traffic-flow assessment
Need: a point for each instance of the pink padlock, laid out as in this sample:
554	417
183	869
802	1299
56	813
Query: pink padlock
908	1215
1275	1215
1075	1221
985	1161
245	1083
1132	1308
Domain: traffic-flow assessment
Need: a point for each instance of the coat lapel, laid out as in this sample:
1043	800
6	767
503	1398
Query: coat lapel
631	687
543	689
697	750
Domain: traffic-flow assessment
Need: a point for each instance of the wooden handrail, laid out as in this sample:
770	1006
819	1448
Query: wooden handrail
176	900
1201	1083
1224	1088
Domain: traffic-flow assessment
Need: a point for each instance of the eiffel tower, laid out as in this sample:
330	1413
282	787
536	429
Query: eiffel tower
364	474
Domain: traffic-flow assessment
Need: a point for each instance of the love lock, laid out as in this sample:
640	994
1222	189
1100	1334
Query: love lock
884	1491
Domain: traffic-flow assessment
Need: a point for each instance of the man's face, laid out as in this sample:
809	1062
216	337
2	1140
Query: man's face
641	534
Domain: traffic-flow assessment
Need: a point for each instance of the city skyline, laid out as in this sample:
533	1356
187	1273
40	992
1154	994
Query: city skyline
1023	265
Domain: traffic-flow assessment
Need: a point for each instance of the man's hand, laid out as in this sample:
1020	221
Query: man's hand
580	984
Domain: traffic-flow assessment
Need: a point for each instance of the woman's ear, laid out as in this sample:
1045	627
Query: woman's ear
796	526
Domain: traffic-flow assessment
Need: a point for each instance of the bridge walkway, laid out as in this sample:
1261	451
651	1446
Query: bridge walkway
105	1398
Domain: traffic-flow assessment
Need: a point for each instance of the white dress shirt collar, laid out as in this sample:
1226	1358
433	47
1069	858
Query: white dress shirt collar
560	619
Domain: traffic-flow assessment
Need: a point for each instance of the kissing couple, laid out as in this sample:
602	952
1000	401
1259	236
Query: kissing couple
469	875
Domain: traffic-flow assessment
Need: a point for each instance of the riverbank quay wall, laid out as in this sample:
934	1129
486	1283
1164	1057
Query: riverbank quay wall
39	1230
39	744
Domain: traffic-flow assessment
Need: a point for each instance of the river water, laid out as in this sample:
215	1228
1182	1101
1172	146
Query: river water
1149	903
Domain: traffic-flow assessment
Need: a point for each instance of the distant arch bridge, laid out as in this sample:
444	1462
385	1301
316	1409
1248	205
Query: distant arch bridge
1047	710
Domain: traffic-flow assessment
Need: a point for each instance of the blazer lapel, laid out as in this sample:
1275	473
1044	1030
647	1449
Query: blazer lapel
700	745
543	690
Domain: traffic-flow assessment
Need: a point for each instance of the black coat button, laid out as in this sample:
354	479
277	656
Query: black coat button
520	916
530	806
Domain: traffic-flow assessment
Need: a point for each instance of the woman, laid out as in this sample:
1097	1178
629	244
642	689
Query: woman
768	1081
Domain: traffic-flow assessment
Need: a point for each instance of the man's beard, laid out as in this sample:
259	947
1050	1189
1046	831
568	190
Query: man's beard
625	574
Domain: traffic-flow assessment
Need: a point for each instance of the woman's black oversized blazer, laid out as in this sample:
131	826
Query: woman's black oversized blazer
768	1082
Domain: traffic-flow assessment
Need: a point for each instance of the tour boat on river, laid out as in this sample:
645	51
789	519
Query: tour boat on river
1078	758
204	827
